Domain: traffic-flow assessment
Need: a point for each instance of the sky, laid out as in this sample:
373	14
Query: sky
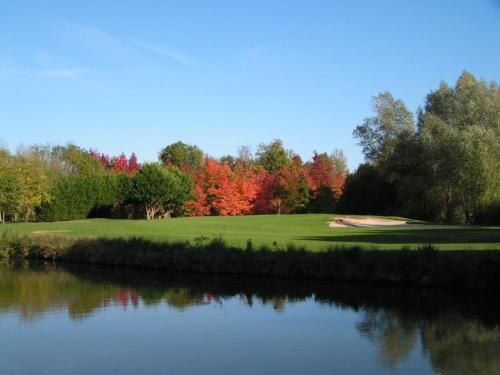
135	76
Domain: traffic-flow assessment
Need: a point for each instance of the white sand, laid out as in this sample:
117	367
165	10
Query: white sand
52	231
345	222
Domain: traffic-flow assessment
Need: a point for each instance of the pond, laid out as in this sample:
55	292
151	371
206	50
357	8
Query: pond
68	319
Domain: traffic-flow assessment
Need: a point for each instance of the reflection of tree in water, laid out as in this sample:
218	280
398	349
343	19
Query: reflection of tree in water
453	344
459	346
395	335
32	293
459	332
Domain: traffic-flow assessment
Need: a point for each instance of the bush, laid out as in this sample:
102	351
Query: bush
424	267
79	197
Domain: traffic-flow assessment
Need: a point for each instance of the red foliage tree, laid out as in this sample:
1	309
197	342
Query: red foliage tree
103	158
322	173
133	165
266	193
198	206
285	190
119	164
292	186
326	183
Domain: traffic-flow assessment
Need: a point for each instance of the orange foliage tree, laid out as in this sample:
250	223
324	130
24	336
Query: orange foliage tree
221	190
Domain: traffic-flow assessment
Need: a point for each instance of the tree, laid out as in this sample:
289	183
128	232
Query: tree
182	155
133	165
377	135
245	157
273	156
10	192
5	160
460	131
160	189
76	161
293	187
222	191
340	162
366	191
31	175
119	164
104	159
229	160
325	181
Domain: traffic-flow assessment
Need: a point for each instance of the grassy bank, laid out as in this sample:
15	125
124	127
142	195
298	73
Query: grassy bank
310	231
421	267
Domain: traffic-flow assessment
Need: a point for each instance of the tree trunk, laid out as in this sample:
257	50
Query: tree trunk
151	212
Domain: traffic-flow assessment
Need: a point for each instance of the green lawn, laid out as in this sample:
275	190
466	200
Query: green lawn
311	231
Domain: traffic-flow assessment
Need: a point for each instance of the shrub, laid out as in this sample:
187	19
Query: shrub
79	197
424	267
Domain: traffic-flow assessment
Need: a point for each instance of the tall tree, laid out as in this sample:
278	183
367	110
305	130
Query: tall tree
378	135
460	131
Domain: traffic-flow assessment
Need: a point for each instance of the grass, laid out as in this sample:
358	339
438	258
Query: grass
308	231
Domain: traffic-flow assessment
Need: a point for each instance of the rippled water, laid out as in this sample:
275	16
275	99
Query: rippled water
97	320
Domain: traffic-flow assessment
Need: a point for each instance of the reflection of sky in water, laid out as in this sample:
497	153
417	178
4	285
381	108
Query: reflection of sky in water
229	338
77	326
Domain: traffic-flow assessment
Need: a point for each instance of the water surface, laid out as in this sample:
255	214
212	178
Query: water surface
78	320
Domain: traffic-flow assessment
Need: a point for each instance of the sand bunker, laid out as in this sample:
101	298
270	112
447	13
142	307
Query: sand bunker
346	222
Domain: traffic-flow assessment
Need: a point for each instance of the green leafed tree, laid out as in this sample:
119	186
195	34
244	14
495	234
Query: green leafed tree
30	171
379	134
161	190
182	155
10	193
273	156
460	131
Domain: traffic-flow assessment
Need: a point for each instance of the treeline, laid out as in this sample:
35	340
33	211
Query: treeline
444	166
43	183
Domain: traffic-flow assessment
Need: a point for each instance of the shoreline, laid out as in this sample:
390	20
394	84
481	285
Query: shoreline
425	267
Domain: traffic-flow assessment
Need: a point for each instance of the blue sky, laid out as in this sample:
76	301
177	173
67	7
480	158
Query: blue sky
137	75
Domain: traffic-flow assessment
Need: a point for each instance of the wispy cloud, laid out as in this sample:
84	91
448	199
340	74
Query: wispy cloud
95	39
163	51
62	73
13	69
119	46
